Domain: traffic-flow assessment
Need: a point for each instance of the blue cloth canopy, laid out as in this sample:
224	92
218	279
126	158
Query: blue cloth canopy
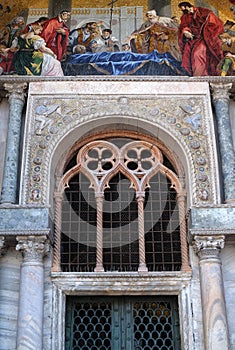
122	63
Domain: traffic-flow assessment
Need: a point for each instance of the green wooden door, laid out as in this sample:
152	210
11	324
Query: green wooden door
122	323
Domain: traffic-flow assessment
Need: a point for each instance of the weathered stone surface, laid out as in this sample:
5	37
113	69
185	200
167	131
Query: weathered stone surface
23	219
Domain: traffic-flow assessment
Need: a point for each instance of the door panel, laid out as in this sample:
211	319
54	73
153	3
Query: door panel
122	323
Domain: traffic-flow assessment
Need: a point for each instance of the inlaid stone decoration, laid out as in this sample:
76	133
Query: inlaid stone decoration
57	109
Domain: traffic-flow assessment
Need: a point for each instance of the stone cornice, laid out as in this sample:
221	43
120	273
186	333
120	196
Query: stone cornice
120	275
24	232
212	232
27	79
117	282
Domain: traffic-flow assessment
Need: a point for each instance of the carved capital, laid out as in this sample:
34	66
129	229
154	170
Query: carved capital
2	245
220	91
209	246
16	91
33	248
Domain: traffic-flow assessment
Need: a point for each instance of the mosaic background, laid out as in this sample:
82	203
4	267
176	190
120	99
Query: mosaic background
23	7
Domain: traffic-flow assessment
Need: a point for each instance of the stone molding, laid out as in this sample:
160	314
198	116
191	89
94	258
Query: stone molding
33	248
177	283
24	232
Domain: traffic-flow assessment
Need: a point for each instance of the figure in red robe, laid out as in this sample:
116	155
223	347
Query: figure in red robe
199	40
56	33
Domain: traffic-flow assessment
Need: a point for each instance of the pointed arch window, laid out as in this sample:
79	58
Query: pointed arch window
120	207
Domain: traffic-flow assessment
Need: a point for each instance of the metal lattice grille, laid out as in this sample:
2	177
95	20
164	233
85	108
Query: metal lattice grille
78	241
90	328
122	323
162	240
137	220
120	226
153	329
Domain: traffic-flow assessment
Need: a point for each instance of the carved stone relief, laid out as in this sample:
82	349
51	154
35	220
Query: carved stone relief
185	118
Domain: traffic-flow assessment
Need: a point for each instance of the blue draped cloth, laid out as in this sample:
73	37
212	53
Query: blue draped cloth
122	63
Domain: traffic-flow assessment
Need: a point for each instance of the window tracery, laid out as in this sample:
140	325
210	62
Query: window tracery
122	210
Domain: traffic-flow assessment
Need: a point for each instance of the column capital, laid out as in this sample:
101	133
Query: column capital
16	90
2	245
220	91
208	246
33	248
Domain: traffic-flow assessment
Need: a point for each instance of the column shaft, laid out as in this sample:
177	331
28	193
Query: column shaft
30	317
220	96
212	293
16	102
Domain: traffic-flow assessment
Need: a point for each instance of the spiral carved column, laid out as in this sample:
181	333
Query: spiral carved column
57	234
142	263
181	198
99	241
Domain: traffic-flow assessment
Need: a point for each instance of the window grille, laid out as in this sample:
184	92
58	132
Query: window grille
120	211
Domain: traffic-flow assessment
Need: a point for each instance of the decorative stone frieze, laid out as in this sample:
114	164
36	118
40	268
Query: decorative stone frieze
16	94
220	96
212	292
185	119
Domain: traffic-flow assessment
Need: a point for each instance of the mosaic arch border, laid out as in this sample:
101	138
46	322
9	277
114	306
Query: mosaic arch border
59	111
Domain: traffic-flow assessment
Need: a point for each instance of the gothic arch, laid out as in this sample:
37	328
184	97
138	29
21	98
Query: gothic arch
91	160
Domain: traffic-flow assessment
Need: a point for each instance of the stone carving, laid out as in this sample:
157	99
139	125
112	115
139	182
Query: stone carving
33	247
220	91
2	245
59	117
16	91
192	114
43	116
208	242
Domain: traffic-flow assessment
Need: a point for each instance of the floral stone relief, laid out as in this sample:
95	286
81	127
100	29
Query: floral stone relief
184	118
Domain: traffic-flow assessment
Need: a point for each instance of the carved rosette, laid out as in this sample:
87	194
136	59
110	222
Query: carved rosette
33	248
185	119
208	246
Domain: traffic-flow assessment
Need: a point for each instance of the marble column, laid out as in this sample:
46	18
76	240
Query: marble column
220	96
212	292
16	103
30	317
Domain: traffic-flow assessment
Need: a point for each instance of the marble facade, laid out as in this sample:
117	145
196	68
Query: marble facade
176	113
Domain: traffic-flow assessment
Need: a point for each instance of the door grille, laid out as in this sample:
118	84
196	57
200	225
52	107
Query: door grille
122	323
